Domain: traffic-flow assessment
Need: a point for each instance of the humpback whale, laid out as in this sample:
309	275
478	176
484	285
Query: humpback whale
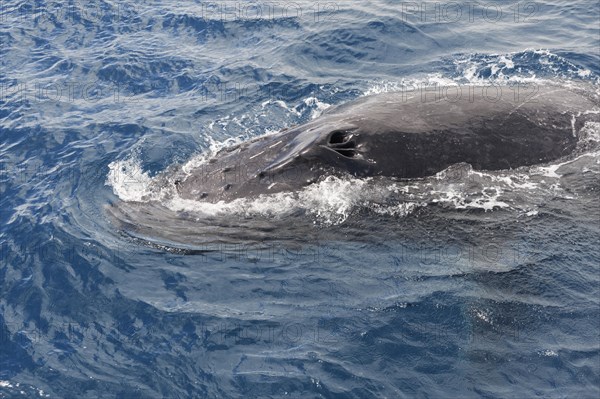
408	134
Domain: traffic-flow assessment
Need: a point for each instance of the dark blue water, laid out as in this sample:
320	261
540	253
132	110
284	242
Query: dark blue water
463	285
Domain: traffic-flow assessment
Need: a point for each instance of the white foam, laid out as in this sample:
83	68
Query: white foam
317	106
214	147
482	315
487	199
552	170
549	171
320	106
402	209
330	201
508	63
128	180
434	79
590	132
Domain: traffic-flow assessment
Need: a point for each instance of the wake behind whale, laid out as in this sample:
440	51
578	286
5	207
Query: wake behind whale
408	134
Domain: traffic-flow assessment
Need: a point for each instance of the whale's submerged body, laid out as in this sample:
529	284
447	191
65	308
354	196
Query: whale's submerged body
403	135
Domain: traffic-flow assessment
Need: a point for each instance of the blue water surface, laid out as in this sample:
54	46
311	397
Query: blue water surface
467	285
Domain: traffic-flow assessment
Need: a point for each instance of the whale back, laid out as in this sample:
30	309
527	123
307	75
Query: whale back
403	135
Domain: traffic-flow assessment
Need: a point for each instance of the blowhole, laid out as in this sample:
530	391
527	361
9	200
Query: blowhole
339	137
346	153
342	142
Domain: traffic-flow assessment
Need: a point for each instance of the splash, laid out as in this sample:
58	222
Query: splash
129	181
529	66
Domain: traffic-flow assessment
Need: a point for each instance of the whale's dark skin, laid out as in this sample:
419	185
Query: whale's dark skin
402	135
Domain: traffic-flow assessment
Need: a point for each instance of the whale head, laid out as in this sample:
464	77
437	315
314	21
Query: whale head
396	136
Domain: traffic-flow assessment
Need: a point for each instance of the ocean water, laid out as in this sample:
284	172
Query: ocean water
465	284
